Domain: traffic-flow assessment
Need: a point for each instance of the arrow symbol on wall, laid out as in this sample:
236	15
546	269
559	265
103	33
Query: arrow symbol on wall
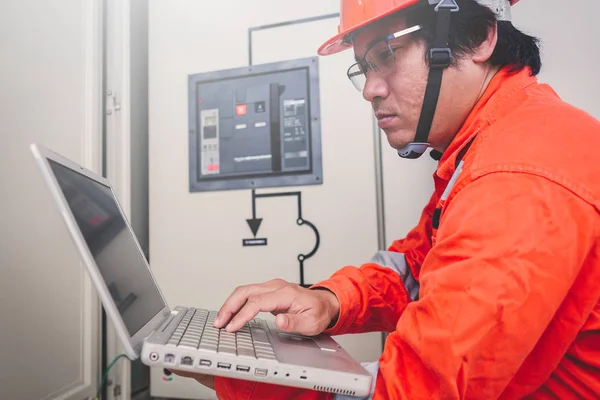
254	223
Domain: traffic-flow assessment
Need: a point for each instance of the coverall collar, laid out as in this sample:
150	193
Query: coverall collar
488	109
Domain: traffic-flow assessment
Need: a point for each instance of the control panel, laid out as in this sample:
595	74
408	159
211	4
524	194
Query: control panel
255	127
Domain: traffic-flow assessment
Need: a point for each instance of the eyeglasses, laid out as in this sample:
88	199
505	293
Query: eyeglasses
379	58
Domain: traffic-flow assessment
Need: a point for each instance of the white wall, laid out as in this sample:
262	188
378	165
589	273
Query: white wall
49	93
568	31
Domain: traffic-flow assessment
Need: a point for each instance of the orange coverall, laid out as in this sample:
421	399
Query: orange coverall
509	284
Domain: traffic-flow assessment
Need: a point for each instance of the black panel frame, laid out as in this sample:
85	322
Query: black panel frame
313	176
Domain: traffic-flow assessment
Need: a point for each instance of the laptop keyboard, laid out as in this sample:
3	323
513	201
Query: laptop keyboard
196	331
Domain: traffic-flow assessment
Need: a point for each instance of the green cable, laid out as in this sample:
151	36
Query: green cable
106	374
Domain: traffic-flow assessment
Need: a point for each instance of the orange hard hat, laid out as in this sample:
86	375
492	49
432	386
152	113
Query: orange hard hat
355	14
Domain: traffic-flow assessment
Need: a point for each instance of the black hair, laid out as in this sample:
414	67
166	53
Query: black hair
468	30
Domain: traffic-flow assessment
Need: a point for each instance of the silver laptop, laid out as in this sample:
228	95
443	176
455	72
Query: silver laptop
182	338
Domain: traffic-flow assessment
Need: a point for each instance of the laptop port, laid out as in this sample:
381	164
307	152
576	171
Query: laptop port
260	372
187	361
205	363
223	365
242	368
302	377
169	358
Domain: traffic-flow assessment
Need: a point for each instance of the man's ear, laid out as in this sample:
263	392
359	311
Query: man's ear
486	49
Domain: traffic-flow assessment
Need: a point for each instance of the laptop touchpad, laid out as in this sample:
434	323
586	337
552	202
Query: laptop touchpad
297	340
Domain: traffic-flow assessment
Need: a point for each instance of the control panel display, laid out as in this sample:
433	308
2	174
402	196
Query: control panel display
255	127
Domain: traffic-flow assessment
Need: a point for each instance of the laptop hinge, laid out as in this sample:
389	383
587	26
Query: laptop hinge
167	321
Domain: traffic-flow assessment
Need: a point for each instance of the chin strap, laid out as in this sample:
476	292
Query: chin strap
439	59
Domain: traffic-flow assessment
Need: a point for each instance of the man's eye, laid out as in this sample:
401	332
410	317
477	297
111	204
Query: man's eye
384	55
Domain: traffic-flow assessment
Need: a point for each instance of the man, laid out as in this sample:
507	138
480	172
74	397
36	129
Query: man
494	294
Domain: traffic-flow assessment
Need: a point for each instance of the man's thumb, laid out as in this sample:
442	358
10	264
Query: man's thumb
291	323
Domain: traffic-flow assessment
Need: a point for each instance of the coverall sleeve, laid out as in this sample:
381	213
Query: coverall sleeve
373	296
510	246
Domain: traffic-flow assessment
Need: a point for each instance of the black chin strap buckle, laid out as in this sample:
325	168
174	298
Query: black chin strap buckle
440	57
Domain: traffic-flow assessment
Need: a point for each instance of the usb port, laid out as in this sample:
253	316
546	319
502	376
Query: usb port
260	372
205	363
302	377
223	365
170	358
187	361
242	368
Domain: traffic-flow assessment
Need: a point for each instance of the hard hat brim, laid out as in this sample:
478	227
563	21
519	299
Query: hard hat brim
337	44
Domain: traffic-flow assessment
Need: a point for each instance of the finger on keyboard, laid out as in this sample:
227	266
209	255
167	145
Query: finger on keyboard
238	298
266	302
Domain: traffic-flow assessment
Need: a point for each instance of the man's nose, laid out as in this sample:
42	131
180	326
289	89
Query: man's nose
375	87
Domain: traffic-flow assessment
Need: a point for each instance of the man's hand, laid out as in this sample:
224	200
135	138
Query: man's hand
300	310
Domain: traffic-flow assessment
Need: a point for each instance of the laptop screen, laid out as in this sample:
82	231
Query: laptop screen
111	244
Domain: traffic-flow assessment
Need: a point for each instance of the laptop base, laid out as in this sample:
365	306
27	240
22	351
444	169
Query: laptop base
285	364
